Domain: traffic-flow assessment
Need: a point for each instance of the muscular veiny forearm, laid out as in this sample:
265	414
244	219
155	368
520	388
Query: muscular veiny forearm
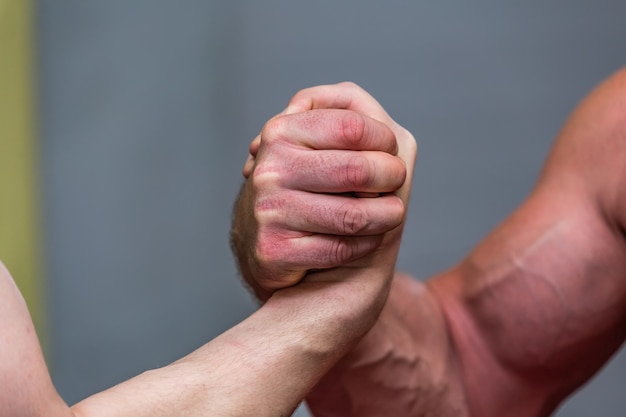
405	366
511	331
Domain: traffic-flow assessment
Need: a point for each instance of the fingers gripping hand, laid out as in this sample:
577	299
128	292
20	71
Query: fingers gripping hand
305	173
350	96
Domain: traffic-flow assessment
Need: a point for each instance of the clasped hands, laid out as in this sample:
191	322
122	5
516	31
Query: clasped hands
324	202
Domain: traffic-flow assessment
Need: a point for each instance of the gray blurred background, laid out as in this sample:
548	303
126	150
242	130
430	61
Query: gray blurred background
147	109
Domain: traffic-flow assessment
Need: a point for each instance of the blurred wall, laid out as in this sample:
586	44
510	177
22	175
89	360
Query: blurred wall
19	235
147	109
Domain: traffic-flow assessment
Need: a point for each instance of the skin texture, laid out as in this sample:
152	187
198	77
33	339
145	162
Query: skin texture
520	323
267	364
288	344
527	317
311	174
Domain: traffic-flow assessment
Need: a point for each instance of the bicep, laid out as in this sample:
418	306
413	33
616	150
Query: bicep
538	306
25	385
546	291
541	302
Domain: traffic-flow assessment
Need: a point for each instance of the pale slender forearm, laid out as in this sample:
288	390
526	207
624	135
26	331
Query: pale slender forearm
262	367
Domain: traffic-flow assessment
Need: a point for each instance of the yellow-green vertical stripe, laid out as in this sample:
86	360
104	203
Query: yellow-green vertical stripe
19	235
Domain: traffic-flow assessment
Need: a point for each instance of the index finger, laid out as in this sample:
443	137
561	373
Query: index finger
349	96
346	95
332	129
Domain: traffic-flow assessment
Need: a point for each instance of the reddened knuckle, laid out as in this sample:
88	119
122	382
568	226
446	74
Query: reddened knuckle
357	172
352	127
263	214
267	251
353	220
270	211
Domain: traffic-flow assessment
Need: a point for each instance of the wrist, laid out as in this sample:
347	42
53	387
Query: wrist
332	310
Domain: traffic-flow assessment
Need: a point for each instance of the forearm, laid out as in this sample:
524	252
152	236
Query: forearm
222	378
262	367
405	366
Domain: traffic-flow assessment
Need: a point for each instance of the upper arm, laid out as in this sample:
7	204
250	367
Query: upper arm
25	385
589	157
540	304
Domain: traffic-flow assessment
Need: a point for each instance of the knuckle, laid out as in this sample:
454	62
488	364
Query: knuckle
399	174
269	210
352	127
272	259
264	212
273	130
301	94
268	251
394	214
396	210
353	220
340	252
264	182
264	178
357	172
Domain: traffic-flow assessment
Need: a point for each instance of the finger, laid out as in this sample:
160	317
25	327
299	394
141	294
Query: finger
254	145
248	166
254	149
333	214
331	129
346	95
350	96
297	256
344	171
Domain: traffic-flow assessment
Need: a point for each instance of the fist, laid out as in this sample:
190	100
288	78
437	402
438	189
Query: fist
322	187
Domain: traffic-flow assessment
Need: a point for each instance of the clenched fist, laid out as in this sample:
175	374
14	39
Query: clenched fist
326	181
